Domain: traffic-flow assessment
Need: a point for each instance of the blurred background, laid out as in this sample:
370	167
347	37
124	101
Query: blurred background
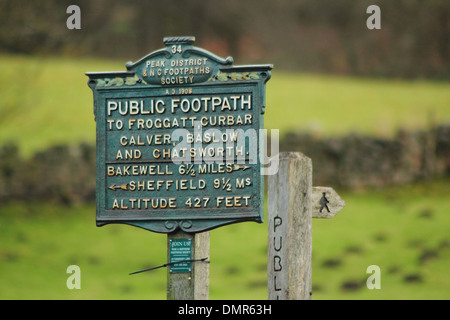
370	107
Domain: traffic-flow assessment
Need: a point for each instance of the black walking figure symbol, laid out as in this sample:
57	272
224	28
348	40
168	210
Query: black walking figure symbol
323	202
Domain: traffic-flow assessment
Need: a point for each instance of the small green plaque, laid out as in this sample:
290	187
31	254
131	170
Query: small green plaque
180	250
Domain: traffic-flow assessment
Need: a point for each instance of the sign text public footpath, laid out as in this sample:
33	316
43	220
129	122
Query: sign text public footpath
178	143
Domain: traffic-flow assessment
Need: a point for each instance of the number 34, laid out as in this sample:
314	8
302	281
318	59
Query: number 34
176	49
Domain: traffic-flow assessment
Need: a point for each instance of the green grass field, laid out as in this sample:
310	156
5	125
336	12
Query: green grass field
403	230
46	101
331	105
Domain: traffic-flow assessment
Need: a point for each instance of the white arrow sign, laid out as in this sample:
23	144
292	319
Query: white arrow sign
326	203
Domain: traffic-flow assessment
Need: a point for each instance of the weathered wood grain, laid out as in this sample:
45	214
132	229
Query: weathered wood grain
290	229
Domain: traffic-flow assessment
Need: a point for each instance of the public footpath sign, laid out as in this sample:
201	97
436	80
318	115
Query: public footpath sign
178	140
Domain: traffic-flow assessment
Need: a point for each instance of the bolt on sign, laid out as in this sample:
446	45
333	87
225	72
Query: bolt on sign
178	144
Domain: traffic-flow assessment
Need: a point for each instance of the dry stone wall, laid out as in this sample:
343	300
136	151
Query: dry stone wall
66	174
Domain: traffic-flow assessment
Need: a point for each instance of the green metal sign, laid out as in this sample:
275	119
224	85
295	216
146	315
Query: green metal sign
180	250
178	140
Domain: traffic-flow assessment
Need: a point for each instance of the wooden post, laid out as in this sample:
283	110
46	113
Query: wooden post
290	228
194	284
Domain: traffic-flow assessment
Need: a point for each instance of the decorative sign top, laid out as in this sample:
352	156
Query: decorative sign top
178	63
178	140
